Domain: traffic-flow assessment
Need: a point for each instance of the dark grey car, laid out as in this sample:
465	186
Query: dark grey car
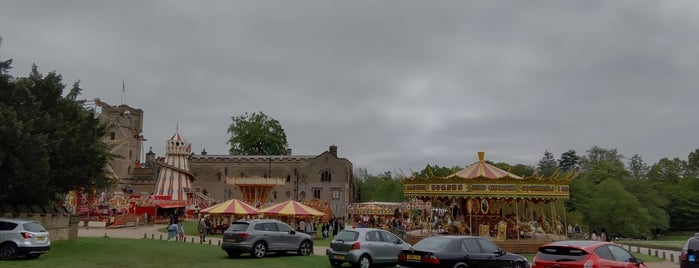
690	253
260	236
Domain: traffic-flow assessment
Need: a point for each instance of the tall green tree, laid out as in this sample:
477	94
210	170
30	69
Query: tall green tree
637	167
547	165
668	171
618	211
50	143
600	164
383	188
436	171
256	134
569	161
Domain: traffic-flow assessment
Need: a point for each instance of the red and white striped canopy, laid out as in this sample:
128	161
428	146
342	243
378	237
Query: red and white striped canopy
233	206
481	169
291	207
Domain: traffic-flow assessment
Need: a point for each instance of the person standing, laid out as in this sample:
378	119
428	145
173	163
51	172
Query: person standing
207	223
201	227
180	231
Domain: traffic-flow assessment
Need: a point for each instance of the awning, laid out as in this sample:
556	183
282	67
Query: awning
172	204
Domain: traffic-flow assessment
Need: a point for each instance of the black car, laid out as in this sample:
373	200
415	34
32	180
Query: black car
458	252
690	253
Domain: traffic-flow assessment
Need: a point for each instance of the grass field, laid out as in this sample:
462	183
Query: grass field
673	241
113	252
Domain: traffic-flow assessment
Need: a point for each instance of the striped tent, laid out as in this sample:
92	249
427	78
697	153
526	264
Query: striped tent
291	207
481	169
233	206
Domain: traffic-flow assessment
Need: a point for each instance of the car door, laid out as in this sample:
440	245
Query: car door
392	246
474	256
613	256
374	246
492	254
287	241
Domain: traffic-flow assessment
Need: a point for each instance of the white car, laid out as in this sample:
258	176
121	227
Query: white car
19	237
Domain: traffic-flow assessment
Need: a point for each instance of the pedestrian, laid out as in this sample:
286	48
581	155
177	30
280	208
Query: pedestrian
201	227
172	231
603	236
180	232
326	226
594	235
207	221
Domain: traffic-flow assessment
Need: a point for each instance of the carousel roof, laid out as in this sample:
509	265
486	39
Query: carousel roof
481	169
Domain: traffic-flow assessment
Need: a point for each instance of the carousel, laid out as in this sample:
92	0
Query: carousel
518	213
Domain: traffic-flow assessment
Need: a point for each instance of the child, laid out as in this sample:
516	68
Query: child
181	231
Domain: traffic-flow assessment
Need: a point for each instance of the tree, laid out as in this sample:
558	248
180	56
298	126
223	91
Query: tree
637	167
50	143
600	164
618	211
382	188
256	134
668	171
547	165
569	161
437	171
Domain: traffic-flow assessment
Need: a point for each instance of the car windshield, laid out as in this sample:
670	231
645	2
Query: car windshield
34	227
238	226
345	235
432	243
561	254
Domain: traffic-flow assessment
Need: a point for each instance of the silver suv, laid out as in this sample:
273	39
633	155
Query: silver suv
257	237
20	237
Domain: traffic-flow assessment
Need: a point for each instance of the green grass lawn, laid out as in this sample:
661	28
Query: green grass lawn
112	252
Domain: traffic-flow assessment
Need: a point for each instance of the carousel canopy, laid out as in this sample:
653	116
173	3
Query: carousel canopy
291	207
233	206
481	169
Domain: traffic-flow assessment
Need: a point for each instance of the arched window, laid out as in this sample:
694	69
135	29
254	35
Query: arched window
326	176
288	195
128	170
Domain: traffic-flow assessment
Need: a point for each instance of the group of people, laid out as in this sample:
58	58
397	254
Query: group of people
175	229
326	228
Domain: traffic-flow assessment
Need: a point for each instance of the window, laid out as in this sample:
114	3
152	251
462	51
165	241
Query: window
326	176
488	247
335	193
302	195
389	237
288	195
288	178
620	254
316	193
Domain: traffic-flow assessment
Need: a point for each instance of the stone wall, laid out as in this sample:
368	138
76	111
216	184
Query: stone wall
60	224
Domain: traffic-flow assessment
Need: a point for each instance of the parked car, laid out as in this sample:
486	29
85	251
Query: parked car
20	237
584	253
364	247
690	250
260	236
458	251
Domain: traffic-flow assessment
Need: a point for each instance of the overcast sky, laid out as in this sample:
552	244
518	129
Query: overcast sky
396	85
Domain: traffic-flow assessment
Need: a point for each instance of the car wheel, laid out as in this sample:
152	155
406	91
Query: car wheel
233	253
305	249
335	263
364	262
517	265
8	252
259	249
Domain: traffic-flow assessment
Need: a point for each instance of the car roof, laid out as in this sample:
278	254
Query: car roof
257	220
15	220
577	243
363	230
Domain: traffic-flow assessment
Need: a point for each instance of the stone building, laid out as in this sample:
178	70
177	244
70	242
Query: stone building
326	176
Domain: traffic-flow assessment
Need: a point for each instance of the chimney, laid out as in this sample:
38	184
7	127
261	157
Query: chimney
333	150
288	151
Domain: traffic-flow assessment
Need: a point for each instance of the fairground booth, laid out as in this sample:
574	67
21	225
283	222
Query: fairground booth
518	213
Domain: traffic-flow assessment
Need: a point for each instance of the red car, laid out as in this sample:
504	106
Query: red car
584	254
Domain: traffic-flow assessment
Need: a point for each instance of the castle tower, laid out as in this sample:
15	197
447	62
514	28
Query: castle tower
174	177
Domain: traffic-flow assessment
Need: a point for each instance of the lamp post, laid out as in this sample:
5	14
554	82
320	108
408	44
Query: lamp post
296	186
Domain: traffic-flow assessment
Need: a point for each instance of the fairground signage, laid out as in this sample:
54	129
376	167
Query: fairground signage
480	189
